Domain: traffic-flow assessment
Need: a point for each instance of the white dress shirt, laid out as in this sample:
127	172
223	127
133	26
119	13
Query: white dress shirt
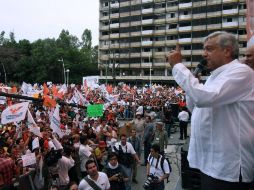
183	116
222	123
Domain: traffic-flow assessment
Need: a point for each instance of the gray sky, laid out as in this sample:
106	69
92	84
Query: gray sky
40	19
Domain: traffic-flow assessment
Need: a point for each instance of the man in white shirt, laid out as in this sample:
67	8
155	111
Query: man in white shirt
154	168
222	133
250	56
85	152
126	154
183	117
99	179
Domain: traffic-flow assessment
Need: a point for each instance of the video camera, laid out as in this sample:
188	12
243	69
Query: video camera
149	183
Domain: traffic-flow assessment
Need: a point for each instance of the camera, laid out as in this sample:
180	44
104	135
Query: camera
120	177
52	157
151	179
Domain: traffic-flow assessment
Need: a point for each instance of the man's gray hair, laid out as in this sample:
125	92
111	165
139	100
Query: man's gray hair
226	40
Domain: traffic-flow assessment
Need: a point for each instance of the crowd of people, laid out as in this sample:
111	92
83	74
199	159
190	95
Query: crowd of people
91	147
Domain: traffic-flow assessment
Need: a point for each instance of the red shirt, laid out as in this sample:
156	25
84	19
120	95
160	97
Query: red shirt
7	168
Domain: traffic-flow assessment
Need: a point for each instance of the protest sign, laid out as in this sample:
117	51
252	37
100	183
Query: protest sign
28	159
95	110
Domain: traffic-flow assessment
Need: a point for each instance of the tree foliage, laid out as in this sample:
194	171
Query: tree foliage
45	59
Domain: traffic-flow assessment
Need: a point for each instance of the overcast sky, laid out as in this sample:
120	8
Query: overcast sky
40	19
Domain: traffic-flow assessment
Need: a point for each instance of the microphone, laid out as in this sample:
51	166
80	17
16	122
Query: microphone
200	67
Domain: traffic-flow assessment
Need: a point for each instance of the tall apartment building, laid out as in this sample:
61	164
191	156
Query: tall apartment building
136	35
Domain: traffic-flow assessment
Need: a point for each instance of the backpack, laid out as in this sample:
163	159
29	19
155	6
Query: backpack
162	161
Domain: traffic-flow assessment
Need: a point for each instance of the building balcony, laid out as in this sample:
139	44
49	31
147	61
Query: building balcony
170	20
242	37
104	27
185	5
147	11
199	4
135	55
229	24
114	55
146	54
124	45
160	21
135	13
136	2
214	14
125	14
160	54
159	32
171	42
242	11
104	47
104	57
124	4
173	8
172	31
104	8
242	24
114	35
229	1
242	51
123	35
115	5
136	33
197	40
114	45
135	44
124	55
214	26
197	52
104	37
199	28
115	25
213	2
124	24
159	43
184	28
199	16
115	15
184	17
186	52
230	12
184	40
160	65
136	23
103	18
146	43
159	10
147	1
148	21
147	32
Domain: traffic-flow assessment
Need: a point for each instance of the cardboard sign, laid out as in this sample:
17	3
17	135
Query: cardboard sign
28	159
95	110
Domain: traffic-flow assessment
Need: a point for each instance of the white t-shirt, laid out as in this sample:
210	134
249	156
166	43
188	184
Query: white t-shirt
157	171
84	153
129	146
102	182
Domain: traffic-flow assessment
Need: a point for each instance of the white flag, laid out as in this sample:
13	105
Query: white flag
32	125
16	112
55	122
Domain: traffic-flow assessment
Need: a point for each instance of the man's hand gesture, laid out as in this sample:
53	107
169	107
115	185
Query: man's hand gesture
174	56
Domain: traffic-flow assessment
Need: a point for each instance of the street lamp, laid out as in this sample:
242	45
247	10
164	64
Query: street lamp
150	75
67	72
61	60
